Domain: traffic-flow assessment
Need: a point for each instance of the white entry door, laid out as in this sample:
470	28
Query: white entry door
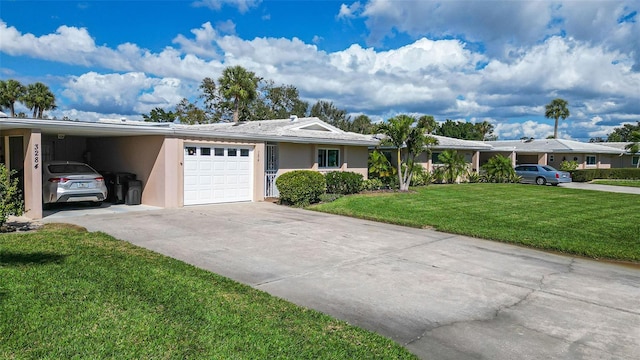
217	173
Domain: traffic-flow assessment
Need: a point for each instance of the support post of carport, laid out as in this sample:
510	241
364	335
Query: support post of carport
475	160
513	157
33	174
542	159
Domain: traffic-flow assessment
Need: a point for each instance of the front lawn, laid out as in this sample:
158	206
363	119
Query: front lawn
67	293
588	223
632	183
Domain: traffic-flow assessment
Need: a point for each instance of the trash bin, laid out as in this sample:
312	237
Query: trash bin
121	186
134	192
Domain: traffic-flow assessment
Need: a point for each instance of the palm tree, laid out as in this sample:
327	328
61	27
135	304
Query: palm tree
484	129
10	92
39	99
499	169
557	109
400	133
634	146
239	86
454	165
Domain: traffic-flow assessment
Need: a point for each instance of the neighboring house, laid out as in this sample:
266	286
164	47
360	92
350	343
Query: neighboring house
183	164
554	151
470	149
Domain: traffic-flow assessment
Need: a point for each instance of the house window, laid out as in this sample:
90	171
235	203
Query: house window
232	152
218	151
205	151
435	158
591	159
328	158
191	150
551	159
634	160
244	152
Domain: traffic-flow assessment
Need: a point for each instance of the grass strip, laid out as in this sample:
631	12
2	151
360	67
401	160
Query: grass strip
67	293
581	222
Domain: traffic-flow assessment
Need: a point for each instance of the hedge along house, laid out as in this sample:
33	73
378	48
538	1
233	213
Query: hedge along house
182	164
554	151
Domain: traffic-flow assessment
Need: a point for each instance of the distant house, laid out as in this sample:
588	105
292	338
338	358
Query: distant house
554	151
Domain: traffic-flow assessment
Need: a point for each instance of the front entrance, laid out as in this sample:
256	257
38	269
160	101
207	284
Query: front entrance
217	173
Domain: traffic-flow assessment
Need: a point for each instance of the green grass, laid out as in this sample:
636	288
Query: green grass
632	183
67	293
587	223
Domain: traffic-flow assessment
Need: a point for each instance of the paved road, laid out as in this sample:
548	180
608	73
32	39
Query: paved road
442	296
597	187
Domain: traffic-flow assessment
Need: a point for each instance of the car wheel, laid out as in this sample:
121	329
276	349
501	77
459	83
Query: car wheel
541	181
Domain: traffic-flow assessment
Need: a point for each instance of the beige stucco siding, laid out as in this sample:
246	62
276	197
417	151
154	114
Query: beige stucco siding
304	157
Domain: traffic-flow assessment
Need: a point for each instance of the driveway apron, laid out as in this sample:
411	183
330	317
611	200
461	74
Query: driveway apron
442	296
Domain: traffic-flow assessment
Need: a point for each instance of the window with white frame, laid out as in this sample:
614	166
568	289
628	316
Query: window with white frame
328	158
591	159
634	160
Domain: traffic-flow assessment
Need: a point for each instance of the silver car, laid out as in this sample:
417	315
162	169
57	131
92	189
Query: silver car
542	174
69	181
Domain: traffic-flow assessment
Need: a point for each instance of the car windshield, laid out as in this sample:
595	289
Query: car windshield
549	168
70	169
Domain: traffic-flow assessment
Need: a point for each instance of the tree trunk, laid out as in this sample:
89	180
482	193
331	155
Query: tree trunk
236	110
399	166
555	130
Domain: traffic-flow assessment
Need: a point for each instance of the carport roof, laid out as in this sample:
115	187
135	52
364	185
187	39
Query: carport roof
297	130
551	146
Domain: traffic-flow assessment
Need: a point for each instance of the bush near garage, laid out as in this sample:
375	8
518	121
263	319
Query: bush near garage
343	182
300	187
11	202
591	174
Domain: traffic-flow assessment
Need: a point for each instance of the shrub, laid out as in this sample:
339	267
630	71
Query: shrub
475	177
568	165
300	187
421	177
372	184
590	174
499	169
343	182
11	202
327	198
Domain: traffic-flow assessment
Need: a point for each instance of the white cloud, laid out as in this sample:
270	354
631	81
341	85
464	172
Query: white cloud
242	5
122	93
528	128
349	11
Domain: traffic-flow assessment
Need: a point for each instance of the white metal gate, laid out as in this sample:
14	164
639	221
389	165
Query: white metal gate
271	171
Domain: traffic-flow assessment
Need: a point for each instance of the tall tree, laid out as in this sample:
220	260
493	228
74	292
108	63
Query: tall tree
361	124
39	99
623	133
428	123
485	130
190	113
160	115
280	102
557	109
239	87
459	130
10	92
401	134
327	112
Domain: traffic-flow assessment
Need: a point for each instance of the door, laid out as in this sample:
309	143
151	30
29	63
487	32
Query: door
217	173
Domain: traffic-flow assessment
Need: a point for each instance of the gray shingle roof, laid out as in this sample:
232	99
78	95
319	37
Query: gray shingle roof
551	146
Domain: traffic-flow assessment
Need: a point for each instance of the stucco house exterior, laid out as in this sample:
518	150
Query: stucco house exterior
554	151
182	164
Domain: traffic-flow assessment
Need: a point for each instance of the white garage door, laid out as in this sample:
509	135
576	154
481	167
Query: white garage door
217	173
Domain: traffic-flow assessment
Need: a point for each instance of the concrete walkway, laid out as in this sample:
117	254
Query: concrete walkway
596	187
443	296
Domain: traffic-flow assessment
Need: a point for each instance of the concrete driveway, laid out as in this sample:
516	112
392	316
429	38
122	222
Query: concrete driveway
443	296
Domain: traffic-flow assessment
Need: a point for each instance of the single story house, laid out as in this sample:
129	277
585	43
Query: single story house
554	151
182	164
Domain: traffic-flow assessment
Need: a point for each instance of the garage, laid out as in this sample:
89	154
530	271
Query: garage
217	173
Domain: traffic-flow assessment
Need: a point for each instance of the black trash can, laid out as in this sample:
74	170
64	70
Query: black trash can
134	192
121	186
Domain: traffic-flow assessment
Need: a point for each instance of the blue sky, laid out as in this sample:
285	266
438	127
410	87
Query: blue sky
499	61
